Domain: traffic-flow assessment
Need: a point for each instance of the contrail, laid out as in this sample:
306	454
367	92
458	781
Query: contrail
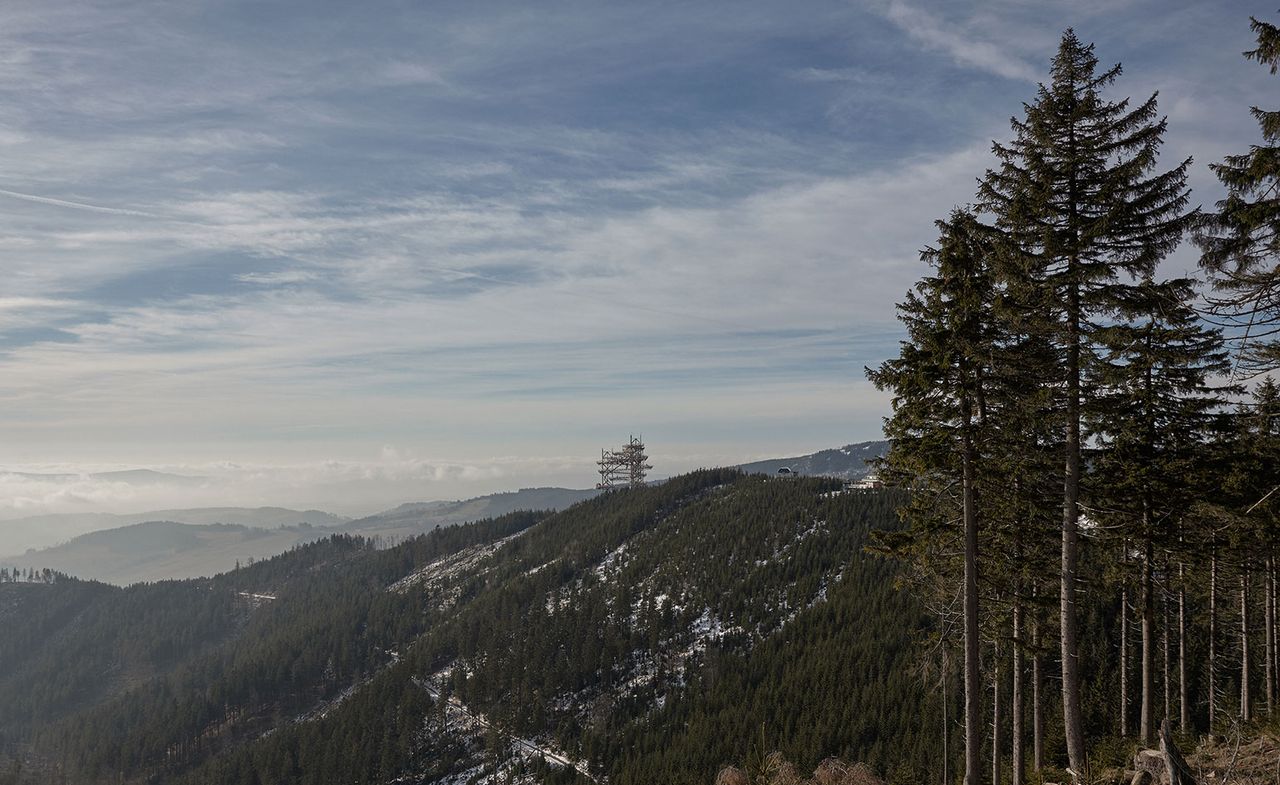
77	205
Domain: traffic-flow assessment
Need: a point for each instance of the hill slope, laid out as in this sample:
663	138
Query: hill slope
18	535
409	520
641	635
162	548
846	463
166	550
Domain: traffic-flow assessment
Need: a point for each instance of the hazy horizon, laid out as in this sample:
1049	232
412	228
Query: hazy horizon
348	489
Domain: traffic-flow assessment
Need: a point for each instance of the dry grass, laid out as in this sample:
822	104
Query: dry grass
778	771
1253	761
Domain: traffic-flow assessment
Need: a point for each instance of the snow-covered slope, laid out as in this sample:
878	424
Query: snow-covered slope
846	463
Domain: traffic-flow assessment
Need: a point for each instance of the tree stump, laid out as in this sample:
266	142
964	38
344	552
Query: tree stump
1175	764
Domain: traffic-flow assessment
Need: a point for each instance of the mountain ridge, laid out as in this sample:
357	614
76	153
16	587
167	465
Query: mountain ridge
19	535
635	636
846	463
166	549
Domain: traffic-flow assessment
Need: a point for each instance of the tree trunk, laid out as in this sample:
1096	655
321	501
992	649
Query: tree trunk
1275	630
1146	717
1168	681
995	714
1246	706
1269	640
1124	647
1016	753
1213	637
1184	702
972	671
1037	704
1072	714
946	721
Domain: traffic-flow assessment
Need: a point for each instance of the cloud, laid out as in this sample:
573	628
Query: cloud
931	32
282	277
77	205
569	327
855	76
479	232
411	73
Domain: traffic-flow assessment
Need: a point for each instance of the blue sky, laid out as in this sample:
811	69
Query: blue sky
351	254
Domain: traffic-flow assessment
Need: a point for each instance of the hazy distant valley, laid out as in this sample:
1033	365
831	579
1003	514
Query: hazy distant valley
192	543
173	544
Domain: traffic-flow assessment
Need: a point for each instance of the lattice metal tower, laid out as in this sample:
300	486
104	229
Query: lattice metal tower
623	468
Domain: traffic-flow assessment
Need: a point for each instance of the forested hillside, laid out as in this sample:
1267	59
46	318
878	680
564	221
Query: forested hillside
647	634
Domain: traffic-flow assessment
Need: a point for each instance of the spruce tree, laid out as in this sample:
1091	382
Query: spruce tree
1077	200
1240	243
1152	407
939	382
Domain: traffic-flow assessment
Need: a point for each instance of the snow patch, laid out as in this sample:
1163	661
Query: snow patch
446	570
468	722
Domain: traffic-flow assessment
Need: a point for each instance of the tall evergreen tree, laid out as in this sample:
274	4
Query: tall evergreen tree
1077	199
1150	413
1240	243
940	382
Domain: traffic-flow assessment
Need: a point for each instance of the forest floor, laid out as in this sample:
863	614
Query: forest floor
1251	760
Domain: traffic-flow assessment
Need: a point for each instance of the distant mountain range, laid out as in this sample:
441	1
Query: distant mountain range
846	463
412	519
166	550
176	544
19	535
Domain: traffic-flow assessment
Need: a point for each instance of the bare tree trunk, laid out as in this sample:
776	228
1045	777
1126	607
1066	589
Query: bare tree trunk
995	714
972	667
1275	630
1037	705
1246	706
946	721
1146	720
1269	640
1184	702
1072	712
1168	681
1213	637
1124	646
1018	761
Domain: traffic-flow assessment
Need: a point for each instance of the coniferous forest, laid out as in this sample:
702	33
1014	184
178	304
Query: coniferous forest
1092	446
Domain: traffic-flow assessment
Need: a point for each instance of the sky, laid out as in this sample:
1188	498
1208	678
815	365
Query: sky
344	255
